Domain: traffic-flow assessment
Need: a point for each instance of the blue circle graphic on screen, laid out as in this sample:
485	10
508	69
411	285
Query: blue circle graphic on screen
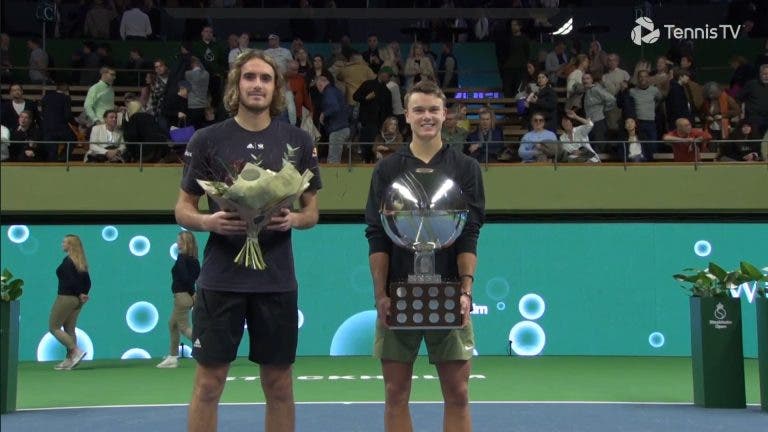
18	233
355	335
49	349
656	340
531	306
501	306
135	353
109	233
174	251
702	248
139	246
142	317
528	338
301	318
497	288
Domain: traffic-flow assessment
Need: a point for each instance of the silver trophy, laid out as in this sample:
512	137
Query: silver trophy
424	211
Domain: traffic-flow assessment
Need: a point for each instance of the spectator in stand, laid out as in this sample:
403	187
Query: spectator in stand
678	103
106	142
662	75
755	98
641	65
539	144
375	103
598	59
296	44
633	148
717	111
136	60
97	20
198	78
5	136
89	61
685	140
396	61
545	101
302	58
615	76
214	60
281	55
162	88
646	97
135	24
334	116
155	19
513	68
448	70
243	44
372	56
397	101
298	86
596	101
233	41
104	51
554	64
5	57
388	60
146	91
11	109
101	96
762	58
25	136
575	140
487	137
686	64
452	134
741	151
38	62
528	82
574	78
176	106
140	127
742	73
55	112
389	140
353	74
418	66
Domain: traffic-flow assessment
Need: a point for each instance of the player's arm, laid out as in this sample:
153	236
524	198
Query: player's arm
188	215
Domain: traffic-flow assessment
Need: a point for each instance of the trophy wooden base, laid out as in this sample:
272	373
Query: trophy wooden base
425	305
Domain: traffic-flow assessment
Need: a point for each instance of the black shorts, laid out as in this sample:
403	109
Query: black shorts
218	321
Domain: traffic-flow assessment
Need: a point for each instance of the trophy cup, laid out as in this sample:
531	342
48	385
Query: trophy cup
424	211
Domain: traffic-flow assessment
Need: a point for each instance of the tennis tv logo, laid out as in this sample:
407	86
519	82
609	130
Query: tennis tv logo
645	32
652	33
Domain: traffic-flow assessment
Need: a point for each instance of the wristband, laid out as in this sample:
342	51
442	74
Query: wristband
472	278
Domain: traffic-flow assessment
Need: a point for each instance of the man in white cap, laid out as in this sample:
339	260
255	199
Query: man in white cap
281	55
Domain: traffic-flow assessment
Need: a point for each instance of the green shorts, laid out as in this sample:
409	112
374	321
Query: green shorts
442	345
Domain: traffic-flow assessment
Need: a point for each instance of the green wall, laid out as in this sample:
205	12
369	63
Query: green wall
553	288
509	189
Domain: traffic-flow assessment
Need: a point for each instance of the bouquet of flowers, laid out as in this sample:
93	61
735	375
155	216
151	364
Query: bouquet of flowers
257	194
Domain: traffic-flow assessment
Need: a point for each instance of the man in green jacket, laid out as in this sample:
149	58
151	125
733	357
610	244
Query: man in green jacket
214	60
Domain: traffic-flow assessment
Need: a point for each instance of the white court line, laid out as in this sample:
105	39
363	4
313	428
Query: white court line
379	403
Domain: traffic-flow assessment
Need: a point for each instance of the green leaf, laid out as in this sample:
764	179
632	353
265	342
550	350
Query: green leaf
718	271
752	272
7	274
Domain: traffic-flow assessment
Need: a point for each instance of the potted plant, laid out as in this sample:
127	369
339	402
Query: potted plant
761	312
717	351
10	291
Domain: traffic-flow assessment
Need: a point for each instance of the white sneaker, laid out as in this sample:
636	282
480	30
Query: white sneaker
65	365
77	356
169	362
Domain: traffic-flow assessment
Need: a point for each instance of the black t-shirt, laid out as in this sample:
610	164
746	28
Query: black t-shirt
71	281
209	154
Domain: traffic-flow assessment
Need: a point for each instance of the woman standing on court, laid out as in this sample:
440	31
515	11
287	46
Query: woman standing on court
74	285
184	274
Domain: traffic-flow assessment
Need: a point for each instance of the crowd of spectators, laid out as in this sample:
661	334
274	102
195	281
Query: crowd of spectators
353	99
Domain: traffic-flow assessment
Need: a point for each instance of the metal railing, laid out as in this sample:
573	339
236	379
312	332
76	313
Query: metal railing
354	153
